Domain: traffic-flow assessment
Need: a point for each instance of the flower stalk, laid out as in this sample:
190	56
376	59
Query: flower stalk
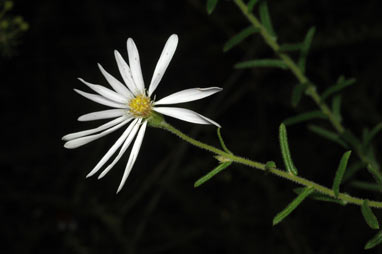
262	166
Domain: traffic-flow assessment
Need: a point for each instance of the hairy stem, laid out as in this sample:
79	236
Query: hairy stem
311	90
291	65
254	164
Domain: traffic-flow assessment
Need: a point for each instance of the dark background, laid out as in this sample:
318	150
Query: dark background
47	205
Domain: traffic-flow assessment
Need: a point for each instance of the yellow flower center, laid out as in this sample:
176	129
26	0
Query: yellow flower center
140	106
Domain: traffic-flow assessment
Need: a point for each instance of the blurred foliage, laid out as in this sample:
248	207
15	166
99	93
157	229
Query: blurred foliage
11	29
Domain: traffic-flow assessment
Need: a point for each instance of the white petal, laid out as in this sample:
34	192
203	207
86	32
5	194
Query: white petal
105	92
135	65
164	60
115	83
95	130
125	71
112	150
100	99
84	140
185	115
123	149
104	114
133	154
187	95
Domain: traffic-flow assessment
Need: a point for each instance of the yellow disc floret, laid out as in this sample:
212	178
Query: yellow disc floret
140	106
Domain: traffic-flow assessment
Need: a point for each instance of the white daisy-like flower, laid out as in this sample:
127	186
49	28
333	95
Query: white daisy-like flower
131	103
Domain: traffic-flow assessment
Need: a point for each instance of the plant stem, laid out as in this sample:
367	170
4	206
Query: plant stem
311	90
291	65
254	164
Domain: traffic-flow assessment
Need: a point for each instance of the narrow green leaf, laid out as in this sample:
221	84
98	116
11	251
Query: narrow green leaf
292	205
332	136
239	38
297	93
336	88
212	173
305	49
365	186
251	4
262	63
350	138
369	216
266	19
222	142
376	175
371	134
288	47
377	239
285	150
270	165
211	4
336	107
320	196
340	173
305	117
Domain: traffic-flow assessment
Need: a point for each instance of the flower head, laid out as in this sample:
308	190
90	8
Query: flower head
131	103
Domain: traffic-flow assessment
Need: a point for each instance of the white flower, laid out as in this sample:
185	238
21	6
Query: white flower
131	103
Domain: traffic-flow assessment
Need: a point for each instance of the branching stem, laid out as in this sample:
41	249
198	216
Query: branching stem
301	77
311	90
254	164
291	65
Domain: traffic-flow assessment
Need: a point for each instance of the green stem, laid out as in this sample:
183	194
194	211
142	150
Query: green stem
291	65
311	90
254	164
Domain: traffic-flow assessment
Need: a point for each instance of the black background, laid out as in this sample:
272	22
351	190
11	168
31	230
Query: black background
49	207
